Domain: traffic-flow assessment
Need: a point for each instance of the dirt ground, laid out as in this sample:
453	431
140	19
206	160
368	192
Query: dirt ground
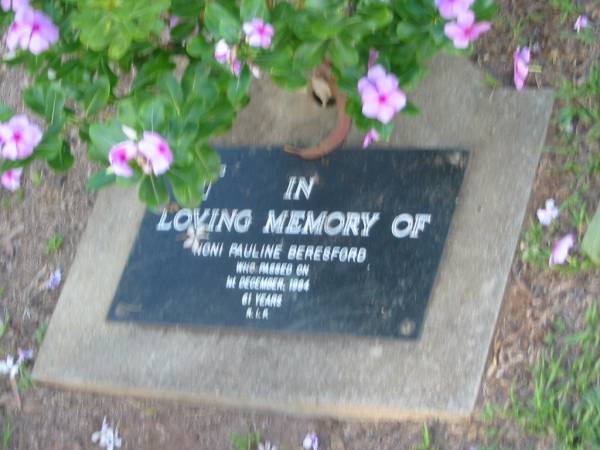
56	419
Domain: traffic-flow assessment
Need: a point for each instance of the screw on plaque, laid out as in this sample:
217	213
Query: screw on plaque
407	327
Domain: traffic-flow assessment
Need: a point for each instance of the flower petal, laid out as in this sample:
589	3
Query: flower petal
385	113
560	251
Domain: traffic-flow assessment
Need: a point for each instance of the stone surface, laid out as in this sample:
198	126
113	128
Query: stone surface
437	375
261	263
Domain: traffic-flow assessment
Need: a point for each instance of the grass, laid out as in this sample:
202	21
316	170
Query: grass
54	243
565	401
566	8
6	433
40	333
4	325
426	444
534	249
37	177
248	441
578	120
24	382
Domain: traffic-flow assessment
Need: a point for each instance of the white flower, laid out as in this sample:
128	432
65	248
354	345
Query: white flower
107	437
222	52
195	236
255	70
54	280
266	446
311	441
10	367
548	213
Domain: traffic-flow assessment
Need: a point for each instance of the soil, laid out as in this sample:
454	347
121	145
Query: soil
56	419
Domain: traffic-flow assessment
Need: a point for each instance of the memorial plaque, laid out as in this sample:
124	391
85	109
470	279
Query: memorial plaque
349	244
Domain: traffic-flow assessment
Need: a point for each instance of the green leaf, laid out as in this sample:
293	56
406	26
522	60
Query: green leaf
196	81
197	47
170	87
54	104
6	112
216	120
127	113
323	5
153	192
249	9
485	9
326	27
153	114
187	184
369	19
591	241
116	24
407	31
411	109
96	96
100	179
343	54
180	32
63	160
309	55
415	12
189	9
35	99
49	148
220	22
277	58
238	88
208	160
103	136
291	80
153	69
118	47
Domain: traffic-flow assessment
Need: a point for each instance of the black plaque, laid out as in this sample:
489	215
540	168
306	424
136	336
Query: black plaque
349	244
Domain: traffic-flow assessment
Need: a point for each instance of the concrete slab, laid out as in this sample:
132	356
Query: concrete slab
439	375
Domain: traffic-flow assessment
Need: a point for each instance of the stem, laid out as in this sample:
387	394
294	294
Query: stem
15	390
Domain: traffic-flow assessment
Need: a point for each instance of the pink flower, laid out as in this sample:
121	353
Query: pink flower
548	213
371	136
560	251
521	66
119	156
236	67
11	179
581	23
174	21
157	151
15	5
19	137
31	30
222	52
258	33
449	9
373	55
465	29
380	95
